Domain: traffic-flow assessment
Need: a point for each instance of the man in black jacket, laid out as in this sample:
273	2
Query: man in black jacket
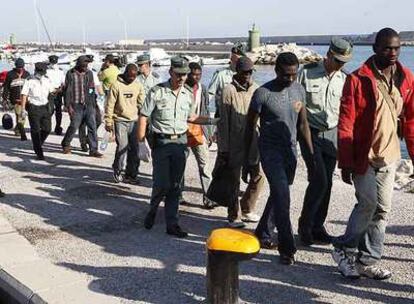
11	94
81	105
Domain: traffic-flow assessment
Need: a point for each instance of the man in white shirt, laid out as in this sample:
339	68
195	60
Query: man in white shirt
57	79
35	93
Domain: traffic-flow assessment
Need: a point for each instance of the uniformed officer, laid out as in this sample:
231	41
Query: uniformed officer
146	77
168	107
323	82
224	76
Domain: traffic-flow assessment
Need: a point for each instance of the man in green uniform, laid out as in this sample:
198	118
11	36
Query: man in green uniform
323	82
168	107
146	77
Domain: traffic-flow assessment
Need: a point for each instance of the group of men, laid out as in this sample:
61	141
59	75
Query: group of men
331	114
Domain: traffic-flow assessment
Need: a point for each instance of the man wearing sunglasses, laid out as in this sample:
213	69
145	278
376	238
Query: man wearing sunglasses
323	82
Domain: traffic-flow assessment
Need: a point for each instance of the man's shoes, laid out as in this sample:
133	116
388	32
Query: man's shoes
322	237
268	244
373	272
338	255
149	220
132	180
67	150
84	147
118	177
285	259
183	202
176	231
347	267
2	194
209	204
95	154
236	224
23	137
250	217
40	157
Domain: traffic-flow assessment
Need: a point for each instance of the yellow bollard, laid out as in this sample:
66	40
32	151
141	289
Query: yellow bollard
225	248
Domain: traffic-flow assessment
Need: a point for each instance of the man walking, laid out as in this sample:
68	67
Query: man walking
169	108
223	77
374	98
57	78
125	98
231	128
12	88
280	105
323	82
35	93
109	72
197	135
146	76
81	104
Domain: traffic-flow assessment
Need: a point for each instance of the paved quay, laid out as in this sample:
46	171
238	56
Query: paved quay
71	235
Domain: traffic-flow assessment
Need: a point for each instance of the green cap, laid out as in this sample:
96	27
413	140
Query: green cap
341	49
141	59
179	65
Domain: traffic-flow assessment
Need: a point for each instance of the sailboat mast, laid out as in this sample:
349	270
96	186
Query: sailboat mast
37	21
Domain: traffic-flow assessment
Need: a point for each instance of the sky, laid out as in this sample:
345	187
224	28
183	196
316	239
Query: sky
105	20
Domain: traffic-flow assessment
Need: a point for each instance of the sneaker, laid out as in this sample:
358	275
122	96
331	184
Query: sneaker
176	231
236	224
118	177
338	255
58	131
209	204
268	244
285	259
373	272
250	217
347	267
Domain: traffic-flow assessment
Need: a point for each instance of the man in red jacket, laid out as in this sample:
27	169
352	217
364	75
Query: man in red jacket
376	99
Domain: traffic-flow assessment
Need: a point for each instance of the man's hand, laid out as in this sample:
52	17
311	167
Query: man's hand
347	176
71	111
109	128
23	115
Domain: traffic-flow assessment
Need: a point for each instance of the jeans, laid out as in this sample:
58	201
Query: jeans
87	114
126	148
83	135
318	193
365	231
168	172
40	125
280	174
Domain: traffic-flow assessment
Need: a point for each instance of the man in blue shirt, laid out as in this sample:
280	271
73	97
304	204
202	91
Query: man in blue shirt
280	106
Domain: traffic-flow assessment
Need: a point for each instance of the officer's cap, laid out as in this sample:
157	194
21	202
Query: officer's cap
238	49
179	65
141	59
341	49
41	67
